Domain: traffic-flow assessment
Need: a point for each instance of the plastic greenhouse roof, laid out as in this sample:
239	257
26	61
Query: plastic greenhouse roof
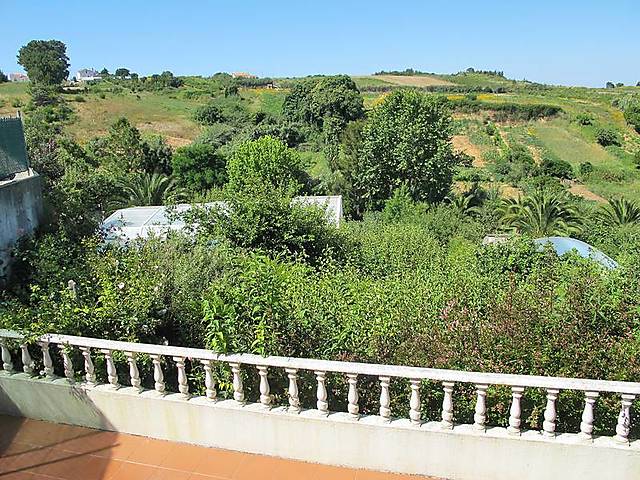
131	223
563	245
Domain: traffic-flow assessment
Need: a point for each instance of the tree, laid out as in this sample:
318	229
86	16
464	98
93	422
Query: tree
542	214
607	136
266	163
208	114
610	85
45	61
199	167
406	141
122	150
618	212
3	77
104	72
632	115
146	189
122	72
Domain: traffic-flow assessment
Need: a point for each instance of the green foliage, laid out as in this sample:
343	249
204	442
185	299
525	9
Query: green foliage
619	212
122	150
217	135
607	136
265	163
632	115
3	77
585	169
585	119
122	72
557	168
199	167
405	141
505	111
542	214
313	100
45	61
157	155
146	189
208	114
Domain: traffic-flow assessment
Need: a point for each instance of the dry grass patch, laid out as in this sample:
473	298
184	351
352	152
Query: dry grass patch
414	81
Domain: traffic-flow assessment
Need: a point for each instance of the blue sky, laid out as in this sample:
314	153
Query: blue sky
563	42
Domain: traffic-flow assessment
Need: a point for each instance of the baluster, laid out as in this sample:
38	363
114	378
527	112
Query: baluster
134	374
550	415
624	419
183	385
209	381
27	362
586	426
112	373
90	375
158	376
352	397
66	363
321	393
480	414
385	400
414	402
238	389
265	398
7	364
46	360
515	411
447	405
294	399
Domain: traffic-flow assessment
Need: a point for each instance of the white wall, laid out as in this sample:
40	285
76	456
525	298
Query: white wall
461	453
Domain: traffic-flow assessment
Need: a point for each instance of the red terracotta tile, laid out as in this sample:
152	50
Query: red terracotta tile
164	474
184	457
121	447
257	466
133	471
327	472
220	463
151	452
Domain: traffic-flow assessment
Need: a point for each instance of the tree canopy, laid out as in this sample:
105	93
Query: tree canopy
45	61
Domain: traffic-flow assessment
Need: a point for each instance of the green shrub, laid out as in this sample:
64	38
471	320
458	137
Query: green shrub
557	168
584	119
199	167
208	114
607	136
585	168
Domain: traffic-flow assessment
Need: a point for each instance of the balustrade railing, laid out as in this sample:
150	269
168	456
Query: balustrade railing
626	391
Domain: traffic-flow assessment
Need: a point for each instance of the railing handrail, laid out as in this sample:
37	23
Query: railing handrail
378	370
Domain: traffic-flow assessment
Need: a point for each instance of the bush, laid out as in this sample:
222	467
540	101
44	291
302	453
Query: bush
208	114
607	136
584	119
79	99
557	168
199	167
585	168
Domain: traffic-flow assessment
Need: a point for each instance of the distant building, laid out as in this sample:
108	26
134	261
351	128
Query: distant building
87	75
18	77
243	75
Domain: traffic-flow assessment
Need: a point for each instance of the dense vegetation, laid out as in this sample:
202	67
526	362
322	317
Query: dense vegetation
405	280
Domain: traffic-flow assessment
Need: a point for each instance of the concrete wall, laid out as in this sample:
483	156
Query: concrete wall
461	453
20	213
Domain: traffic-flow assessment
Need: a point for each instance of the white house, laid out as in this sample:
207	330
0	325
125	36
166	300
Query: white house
87	75
18	77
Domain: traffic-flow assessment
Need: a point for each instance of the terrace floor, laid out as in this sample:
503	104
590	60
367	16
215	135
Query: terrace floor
35	450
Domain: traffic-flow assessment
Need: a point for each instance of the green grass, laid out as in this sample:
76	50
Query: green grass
9	93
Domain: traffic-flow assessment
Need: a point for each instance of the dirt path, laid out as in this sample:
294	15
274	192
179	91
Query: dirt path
581	191
462	143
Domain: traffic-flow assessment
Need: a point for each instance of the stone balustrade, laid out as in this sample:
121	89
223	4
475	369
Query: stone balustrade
626	391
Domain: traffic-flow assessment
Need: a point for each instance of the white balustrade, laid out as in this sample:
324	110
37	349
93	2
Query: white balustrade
447	405
624	419
294	399
385	400
183	384
238	389
209	382
352	396
626	391
46	360
414	402
27	362
134	374
480	413
321	392
586	426
549	424
90	376
515	411
158	375
112	373
7	364
265	398
67	365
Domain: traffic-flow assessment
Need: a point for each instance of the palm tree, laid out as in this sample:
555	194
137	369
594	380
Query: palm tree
619	211
542	214
147	189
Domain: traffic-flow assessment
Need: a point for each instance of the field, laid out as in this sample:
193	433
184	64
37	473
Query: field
560	137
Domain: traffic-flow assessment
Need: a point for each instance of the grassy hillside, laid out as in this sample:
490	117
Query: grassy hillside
558	137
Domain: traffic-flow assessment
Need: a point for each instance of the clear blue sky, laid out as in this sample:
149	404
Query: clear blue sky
575	42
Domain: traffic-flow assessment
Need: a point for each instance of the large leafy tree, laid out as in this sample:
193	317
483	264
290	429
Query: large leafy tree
541	214
405	141
45	61
199	167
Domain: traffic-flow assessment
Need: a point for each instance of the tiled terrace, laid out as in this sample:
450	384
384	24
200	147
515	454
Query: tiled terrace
31	450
